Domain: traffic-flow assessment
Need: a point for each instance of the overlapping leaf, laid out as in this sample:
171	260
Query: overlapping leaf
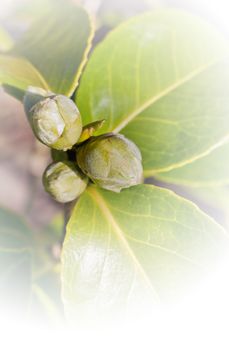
159	79
212	170
51	54
15	262
141	245
19	73
29	283
57	45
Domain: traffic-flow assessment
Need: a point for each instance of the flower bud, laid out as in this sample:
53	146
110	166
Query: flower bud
55	120
111	161
64	181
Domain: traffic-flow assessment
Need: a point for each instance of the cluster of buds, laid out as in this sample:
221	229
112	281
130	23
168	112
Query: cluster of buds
109	160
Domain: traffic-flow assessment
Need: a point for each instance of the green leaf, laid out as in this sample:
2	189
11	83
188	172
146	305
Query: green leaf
142	245
217	198
45	301
160	80
58	45
6	41
214	200
90	129
211	170
28	11
15	262
29	276
19	73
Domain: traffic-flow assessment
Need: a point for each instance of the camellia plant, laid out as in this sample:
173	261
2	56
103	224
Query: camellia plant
148	105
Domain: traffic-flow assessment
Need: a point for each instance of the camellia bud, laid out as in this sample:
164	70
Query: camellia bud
64	181
111	161
55	119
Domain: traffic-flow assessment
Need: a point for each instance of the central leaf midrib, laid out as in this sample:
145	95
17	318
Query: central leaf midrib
96	197
132	115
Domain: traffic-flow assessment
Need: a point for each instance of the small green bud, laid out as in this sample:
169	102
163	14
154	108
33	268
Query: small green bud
55	119
64	181
111	161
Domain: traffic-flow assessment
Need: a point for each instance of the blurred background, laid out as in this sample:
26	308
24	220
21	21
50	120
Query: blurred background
23	159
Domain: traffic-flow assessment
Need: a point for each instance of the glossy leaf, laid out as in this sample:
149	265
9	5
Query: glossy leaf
215	199
58	45
19	73
15	262
212	170
160	80
143	245
29	278
45	301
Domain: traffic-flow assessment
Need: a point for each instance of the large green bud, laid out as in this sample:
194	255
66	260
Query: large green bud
55	119
111	161
64	181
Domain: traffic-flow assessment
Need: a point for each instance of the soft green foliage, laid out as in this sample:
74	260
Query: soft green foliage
139	244
28	280
217	198
208	171
57	45
52	53
19	73
15	261
6	42
159	78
